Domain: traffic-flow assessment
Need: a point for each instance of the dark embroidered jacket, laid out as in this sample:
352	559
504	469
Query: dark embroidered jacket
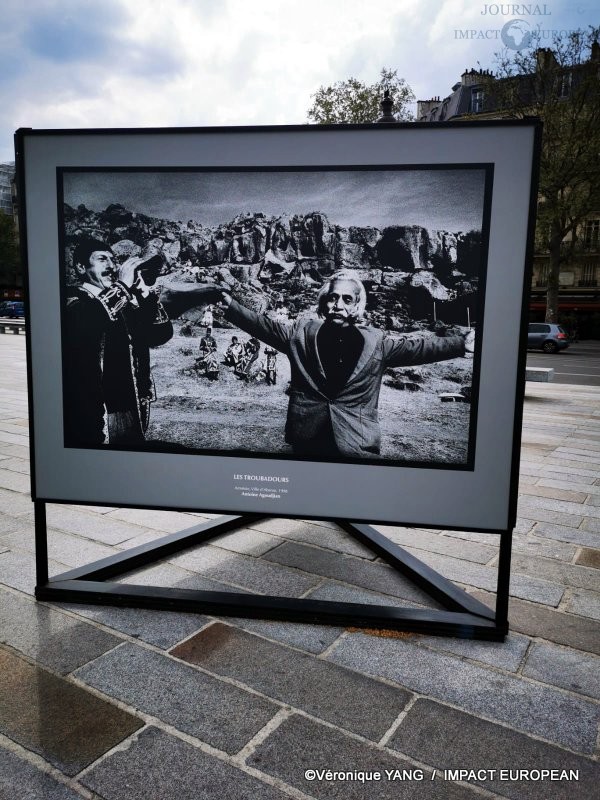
106	368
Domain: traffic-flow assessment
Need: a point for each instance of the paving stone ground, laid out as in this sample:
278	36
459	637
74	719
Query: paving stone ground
113	703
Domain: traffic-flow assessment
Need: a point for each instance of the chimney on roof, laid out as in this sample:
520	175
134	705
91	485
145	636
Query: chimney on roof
470	77
545	59
595	51
424	107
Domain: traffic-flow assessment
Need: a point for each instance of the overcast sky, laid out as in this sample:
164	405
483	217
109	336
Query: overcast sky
137	63
450	200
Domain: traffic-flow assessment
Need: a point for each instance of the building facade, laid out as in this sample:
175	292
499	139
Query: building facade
579	279
7	173
11	277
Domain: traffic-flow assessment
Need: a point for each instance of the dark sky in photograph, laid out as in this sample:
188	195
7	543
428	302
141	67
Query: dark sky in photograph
441	199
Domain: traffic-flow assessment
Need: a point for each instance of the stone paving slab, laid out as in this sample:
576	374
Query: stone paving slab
569	669
99	528
591	488
63	723
572	463
357	571
508	654
529	510
165	521
527	480
567	534
574	474
161	767
249	573
450	739
14	480
546	623
539	490
94	509
299	744
532	545
16	465
14	438
311	638
216	712
160	574
163	629
590	524
547	474
11	426
589	453
444	545
18	570
482	577
145	537
330	538
567	574
564	507
19	780
15	450
588	557
49	637
352	701
64	548
9	524
529	707
585	603
247	541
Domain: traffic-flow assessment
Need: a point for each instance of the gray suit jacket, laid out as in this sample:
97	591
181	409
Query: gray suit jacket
353	413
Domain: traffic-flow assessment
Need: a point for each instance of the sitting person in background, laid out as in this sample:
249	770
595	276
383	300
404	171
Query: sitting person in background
251	353
234	352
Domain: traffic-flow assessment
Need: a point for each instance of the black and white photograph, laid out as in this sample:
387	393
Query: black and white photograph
326	314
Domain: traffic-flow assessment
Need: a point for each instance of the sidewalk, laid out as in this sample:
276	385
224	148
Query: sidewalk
99	702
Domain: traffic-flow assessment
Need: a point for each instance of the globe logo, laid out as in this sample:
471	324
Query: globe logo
516	34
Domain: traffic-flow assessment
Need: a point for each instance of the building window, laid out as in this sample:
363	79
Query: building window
591	234
588	275
564	84
477	96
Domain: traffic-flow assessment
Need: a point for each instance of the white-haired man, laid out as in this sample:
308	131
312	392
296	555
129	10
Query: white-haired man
337	364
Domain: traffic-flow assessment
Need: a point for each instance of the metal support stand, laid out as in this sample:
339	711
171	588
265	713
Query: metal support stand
464	616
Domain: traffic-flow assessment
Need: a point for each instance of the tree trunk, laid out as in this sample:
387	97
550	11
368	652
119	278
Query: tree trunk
553	283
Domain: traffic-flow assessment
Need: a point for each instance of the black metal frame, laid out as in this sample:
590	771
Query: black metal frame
464	616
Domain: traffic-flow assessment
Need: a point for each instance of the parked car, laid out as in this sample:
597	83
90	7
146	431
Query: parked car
12	309
547	336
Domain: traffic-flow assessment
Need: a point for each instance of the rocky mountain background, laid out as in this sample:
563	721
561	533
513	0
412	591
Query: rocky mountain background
264	260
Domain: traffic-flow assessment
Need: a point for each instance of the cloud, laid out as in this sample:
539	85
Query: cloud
135	63
62	33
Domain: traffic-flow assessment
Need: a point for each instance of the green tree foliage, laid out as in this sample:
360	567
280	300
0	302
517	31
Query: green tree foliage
9	251
561	85
355	101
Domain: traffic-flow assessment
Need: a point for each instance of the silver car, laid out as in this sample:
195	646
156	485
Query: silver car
547	336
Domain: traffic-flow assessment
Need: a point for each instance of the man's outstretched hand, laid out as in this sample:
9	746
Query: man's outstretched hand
177	298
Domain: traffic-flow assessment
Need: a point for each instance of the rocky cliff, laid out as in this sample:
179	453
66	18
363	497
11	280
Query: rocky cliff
270	258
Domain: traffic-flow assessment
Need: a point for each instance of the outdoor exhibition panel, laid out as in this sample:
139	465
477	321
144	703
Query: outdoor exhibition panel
430	225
